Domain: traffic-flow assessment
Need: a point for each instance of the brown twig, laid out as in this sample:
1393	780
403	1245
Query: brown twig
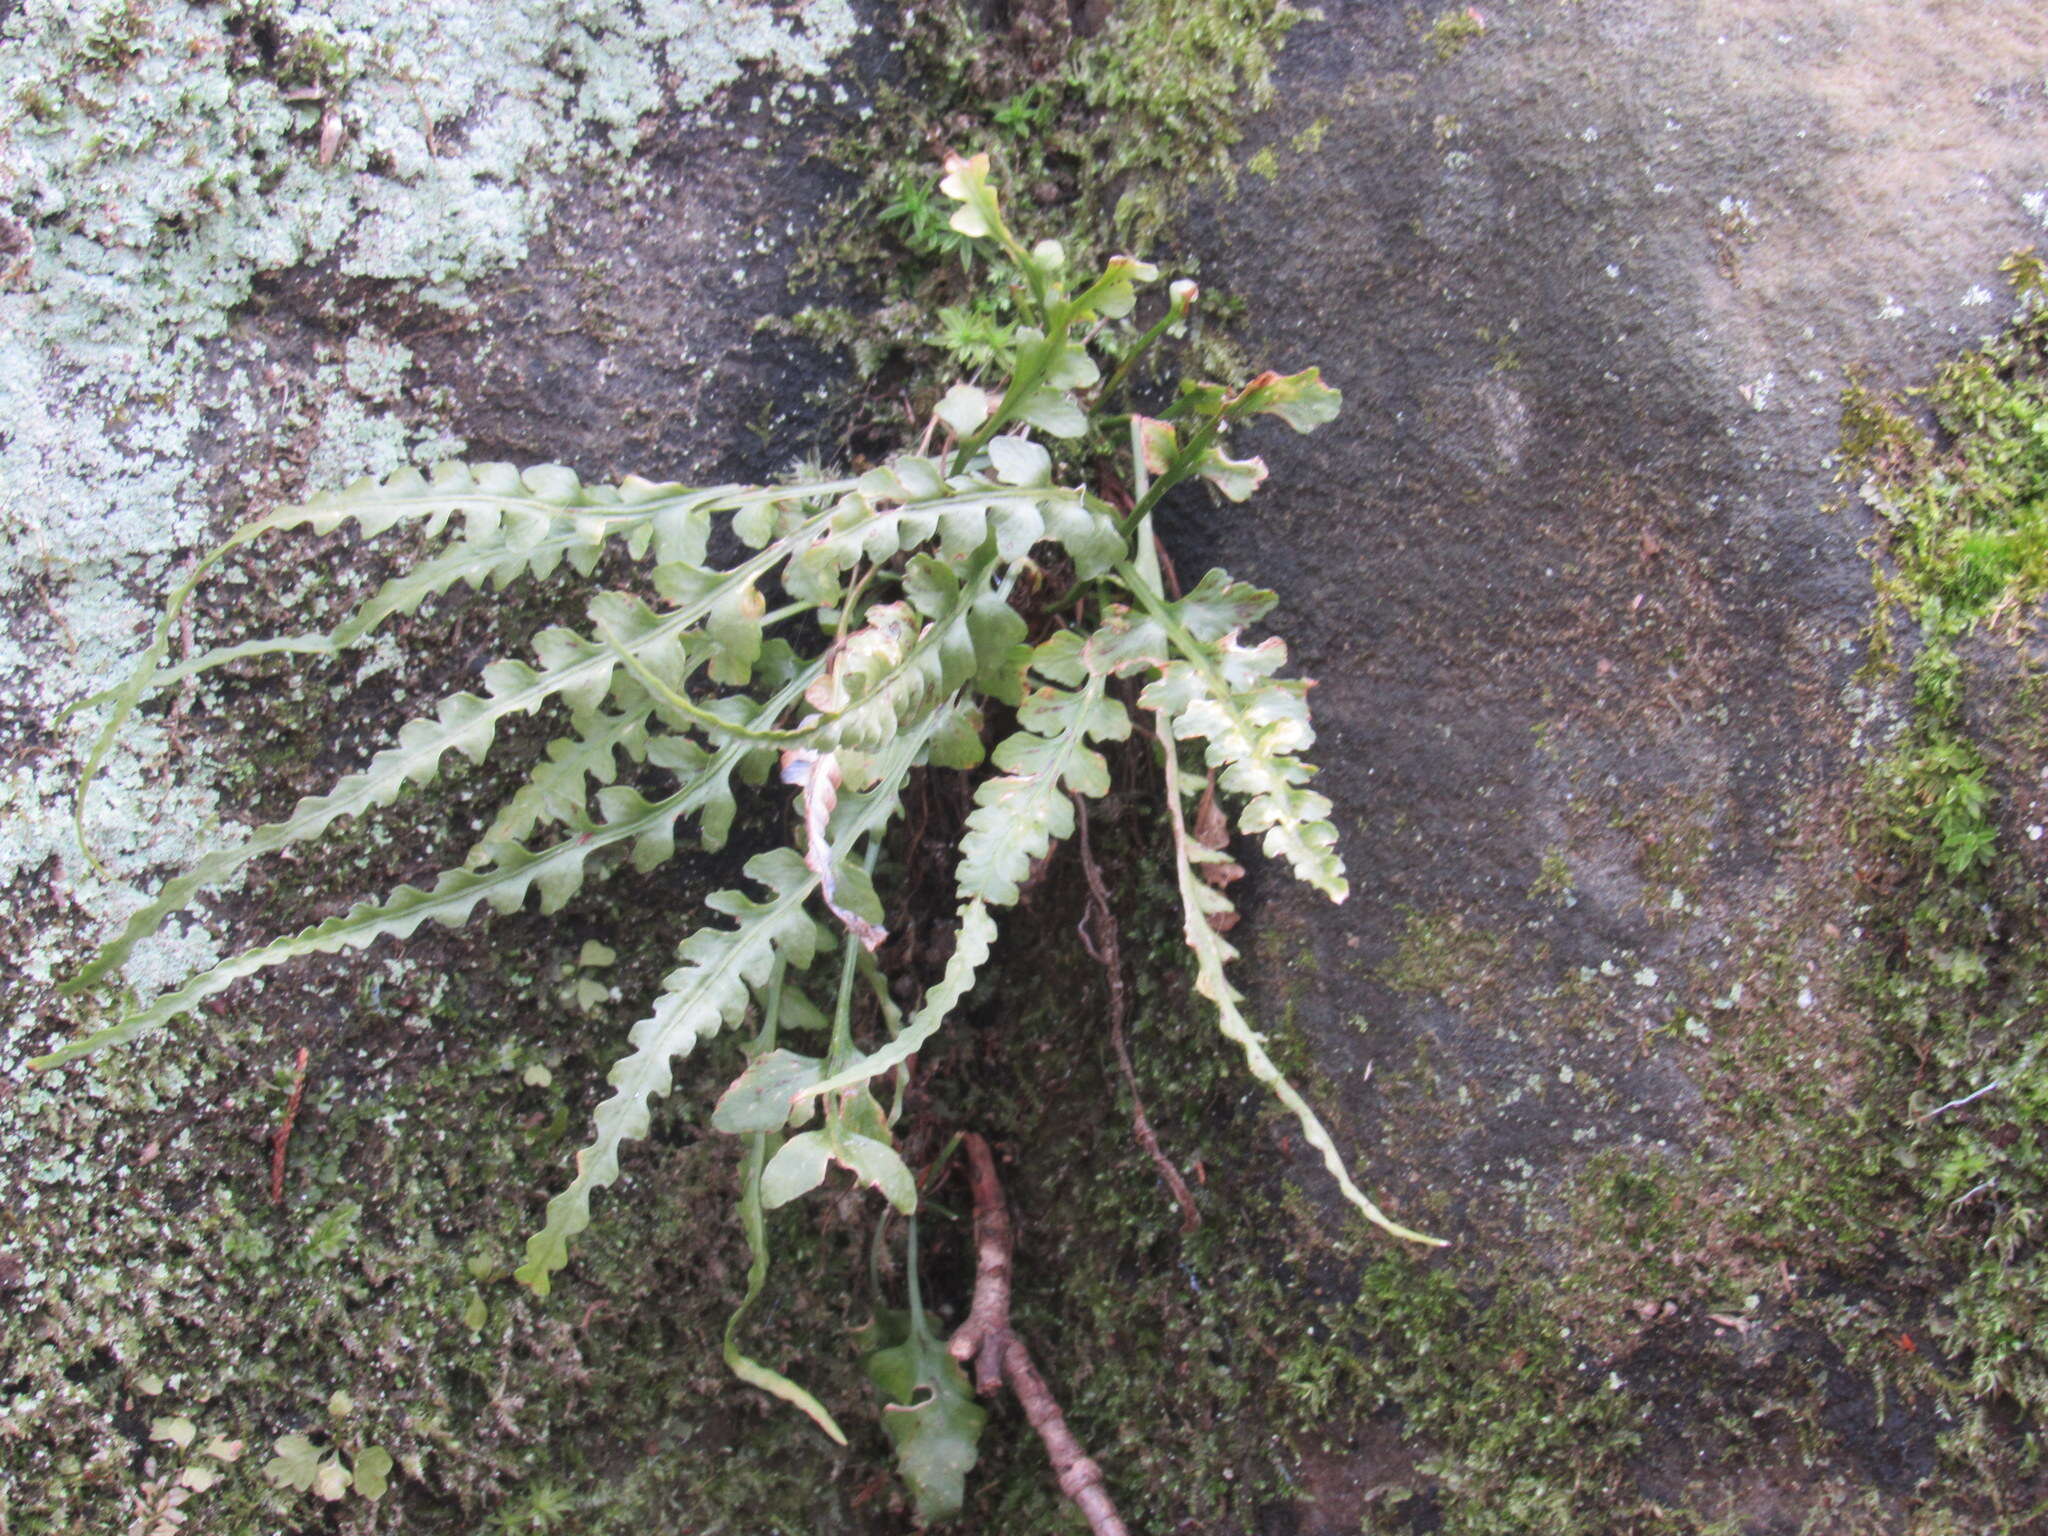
1104	949
980	1337
281	1138
999	1355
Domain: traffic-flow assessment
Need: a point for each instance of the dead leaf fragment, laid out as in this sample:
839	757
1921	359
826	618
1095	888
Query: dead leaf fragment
1212	831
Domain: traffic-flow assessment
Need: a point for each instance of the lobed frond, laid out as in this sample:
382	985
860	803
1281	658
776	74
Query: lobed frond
1208	684
556	872
1017	817
710	990
1199	902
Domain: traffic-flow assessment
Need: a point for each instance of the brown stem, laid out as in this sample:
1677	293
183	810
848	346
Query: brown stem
980	1337
1000	1355
1109	955
281	1138
1080	1479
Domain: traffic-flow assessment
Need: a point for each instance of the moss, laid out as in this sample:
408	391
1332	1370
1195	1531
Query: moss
1863	1193
1553	882
1102	136
1452	32
1441	955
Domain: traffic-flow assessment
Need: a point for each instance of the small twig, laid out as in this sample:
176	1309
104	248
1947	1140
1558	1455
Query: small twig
998	1353
281	1138
1105	951
980	1337
1965	1099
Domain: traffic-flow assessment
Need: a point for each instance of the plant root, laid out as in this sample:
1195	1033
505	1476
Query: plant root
999	1355
1106	952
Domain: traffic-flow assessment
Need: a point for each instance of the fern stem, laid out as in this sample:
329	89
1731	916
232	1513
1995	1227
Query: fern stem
1183	465
1145	551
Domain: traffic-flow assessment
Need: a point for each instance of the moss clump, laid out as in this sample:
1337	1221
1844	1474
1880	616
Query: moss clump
1103	135
1440	954
1962	984
1453	32
1966	506
182	1292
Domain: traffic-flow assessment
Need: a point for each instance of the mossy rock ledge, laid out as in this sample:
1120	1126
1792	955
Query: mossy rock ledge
1660	972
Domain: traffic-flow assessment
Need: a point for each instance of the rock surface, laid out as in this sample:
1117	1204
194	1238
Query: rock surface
248	252
1585	602
1582	595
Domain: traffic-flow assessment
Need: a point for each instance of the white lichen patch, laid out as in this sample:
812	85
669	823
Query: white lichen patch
164	156
159	159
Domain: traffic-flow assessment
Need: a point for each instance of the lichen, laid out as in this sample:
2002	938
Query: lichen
163	160
167	170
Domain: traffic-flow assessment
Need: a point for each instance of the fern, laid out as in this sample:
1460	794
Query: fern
899	629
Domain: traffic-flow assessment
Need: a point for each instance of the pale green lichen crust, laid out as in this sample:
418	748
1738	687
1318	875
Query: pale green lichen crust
160	164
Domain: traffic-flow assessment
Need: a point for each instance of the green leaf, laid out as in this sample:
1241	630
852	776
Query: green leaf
1219	605
798	1167
173	1430
1224	691
763	1097
556	872
372	1472
748	1369
1113	294
296	1464
1255	727
930	1415
1235	478
556	790
1019	816
708	991
876	1163
1053	411
1302	400
963	409
1199	902
572	668
966	181
1019	461
330	1480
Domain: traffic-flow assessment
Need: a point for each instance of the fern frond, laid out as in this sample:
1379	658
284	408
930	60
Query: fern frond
495	558
1199	902
1255	725
555	791
576	669
668	517
907	505
516	523
892	671
1019	816
1213	686
709	990
971	945
557	872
